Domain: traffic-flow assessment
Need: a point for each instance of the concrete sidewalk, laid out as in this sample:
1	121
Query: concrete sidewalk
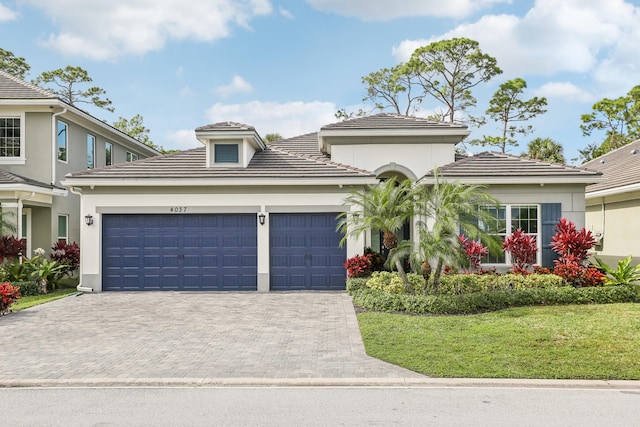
179	337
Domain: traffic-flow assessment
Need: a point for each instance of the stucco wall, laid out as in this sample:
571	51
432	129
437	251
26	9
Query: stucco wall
617	218
418	158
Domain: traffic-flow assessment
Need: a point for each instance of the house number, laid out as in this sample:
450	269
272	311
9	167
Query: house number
178	209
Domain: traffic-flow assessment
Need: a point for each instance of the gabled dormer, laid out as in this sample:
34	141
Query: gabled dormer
229	144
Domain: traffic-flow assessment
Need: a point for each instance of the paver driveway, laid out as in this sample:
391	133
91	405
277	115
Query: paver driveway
173	335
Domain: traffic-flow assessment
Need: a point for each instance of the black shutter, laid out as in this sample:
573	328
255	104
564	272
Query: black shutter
551	213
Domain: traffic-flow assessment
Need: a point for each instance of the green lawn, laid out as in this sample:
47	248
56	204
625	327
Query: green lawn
26	302
578	341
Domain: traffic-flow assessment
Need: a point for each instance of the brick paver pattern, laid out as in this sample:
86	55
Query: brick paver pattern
125	335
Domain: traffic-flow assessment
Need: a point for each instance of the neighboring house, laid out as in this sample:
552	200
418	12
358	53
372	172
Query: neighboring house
238	214
613	205
41	140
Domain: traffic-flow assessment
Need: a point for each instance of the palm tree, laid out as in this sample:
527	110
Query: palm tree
447	209
386	207
545	149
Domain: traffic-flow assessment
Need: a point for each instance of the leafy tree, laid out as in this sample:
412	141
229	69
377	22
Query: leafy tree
270	137
507	108
545	149
135	128
64	82
14	65
618	118
392	88
385	206
447	70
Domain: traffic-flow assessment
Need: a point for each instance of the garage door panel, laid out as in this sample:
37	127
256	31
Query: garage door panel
173	252
305	252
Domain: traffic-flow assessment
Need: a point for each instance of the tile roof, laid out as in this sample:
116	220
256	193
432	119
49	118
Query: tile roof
226	126
306	144
8	178
12	87
619	167
490	165
391	121
270	163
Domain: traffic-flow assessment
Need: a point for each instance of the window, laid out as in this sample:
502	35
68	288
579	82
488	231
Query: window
131	157
62	141
10	137
108	152
91	151
508	219
63	228
226	153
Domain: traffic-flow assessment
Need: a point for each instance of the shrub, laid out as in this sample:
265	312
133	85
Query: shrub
8	295
523	249
459	284
358	266
623	275
67	254
11	247
579	276
474	251
355	283
491	300
573	246
391	282
27	289
377	260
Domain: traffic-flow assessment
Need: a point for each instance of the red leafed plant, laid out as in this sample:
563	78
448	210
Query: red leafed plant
358	266
523	249
573	246
8	295
12	247
474	250
68	254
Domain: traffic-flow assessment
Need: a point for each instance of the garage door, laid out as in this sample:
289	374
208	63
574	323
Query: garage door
179	252
305	252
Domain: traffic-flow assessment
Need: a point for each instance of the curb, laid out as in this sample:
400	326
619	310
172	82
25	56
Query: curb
321	382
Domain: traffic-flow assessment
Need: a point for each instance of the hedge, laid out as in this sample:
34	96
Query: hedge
27	289
490	300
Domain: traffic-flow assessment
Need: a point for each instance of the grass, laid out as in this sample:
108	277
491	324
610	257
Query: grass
26	302
577	341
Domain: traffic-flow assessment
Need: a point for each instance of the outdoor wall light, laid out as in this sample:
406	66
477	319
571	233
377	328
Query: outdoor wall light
88	219
261	218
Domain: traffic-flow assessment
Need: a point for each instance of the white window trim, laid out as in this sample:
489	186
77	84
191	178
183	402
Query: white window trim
66	148
66	238
93	151
108	144
131	157
22	158
538	235
240	148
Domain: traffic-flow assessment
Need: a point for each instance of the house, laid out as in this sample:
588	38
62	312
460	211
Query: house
613	205
237	214
42	139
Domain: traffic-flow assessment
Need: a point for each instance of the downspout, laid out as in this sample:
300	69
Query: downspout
54	140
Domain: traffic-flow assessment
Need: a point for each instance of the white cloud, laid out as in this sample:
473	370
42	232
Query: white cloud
577	36
7	14
133	27
376	10
182	140
288	119
284	12
237	85
564	90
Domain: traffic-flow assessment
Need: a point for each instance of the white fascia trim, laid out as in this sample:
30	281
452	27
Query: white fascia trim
514	180
433	132
33	189
249	135
216	182
613	191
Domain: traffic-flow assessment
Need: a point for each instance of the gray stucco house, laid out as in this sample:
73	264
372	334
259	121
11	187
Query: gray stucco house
42	139
238	214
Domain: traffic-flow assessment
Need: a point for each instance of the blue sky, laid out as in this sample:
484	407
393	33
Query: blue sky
287	66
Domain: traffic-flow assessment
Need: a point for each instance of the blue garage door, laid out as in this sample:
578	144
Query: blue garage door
179	252
305	252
